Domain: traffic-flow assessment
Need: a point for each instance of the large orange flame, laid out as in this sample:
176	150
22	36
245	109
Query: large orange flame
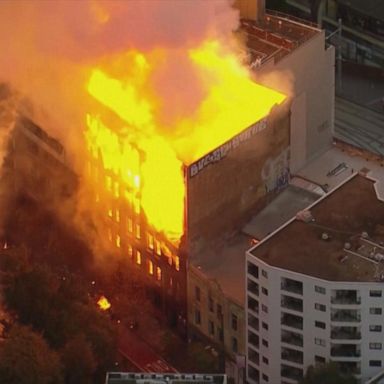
149	157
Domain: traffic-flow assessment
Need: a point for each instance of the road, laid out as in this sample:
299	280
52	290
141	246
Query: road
141	355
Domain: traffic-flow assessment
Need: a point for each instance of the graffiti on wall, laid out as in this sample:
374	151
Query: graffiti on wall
275	172
223	150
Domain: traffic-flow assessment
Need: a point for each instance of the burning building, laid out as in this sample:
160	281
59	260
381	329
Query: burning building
166	185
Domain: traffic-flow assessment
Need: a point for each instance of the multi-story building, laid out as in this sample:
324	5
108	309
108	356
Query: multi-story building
315	287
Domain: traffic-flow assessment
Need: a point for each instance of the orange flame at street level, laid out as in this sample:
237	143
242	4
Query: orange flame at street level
103	303
232	102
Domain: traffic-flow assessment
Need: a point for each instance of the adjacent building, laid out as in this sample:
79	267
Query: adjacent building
315	288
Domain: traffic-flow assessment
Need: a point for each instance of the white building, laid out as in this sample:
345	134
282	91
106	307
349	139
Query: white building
315	289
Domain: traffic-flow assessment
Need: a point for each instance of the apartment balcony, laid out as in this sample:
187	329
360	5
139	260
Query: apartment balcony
345	350
253	322
292	303
253	287
292	355
292	286
292	338
292	321
351	316
291	372
345	333
345	297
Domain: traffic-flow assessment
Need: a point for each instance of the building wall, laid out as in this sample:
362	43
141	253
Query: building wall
318	305
210	309
221	195
311	67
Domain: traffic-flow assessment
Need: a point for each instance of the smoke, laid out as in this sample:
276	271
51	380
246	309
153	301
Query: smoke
48	47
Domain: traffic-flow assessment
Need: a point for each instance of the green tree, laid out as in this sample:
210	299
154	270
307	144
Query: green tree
25	358
79	361
329	373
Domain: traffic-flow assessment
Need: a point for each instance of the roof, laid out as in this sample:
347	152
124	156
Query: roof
344	214
285	206
276	35
156	378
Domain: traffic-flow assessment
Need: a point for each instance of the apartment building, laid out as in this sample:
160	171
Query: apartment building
315	289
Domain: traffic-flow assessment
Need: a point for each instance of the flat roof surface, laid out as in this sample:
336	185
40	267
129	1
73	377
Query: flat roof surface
285	206
344	215
225	263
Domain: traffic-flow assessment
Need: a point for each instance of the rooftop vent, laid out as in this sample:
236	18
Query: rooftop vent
325	236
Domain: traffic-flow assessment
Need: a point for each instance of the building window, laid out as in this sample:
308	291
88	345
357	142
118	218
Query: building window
137	231
264	325
264	291
197	293
234	345
197	317
150	241
264	308
375	363
264	273
118	215
319	289
150	267
211	328
177	263
118	241
219	311
136	205
375	346
375	328
158	247
210	304
375	293
130	250
320	307
265	360
130	225
319	359
138	257
265	343
319	341
265	377
320	324
253	270
375	311
234	322
158	273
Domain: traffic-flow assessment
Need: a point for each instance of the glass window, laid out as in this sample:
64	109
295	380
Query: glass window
320	324
150	267
234	344
319	289
264	308
265	360
265	377
375	346
210	304
197	293
375	328
264	325
375	293
319	341
264	291
158	273
211	328
138	257
234	322
320	307
265	343
375	363
197	317
375	311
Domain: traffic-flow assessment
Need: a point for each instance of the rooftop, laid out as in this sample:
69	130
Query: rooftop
342	216
276	36
159	378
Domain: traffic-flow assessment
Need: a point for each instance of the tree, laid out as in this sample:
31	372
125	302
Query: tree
329	373
25	358
79	361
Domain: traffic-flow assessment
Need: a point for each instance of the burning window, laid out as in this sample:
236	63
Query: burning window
150	241
138	257
137	231
150	267
118	241
158	273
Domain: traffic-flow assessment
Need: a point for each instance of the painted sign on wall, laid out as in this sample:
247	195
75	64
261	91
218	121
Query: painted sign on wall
223	150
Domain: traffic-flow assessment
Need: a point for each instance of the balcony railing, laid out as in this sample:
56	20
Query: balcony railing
293	357
292	288
346	300
345	351
292	339
292	305
345	335
344	316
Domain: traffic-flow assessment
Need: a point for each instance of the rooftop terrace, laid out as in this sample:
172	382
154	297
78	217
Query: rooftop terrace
343	215
276	36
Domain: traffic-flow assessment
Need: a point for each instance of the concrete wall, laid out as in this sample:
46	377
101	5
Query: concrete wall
312	69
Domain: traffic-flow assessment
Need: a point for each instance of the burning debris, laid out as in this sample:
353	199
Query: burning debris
103	303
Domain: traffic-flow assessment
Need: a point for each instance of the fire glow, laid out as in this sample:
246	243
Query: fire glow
149	153
103	303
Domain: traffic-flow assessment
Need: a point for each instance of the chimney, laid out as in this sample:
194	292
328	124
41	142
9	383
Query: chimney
251	9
